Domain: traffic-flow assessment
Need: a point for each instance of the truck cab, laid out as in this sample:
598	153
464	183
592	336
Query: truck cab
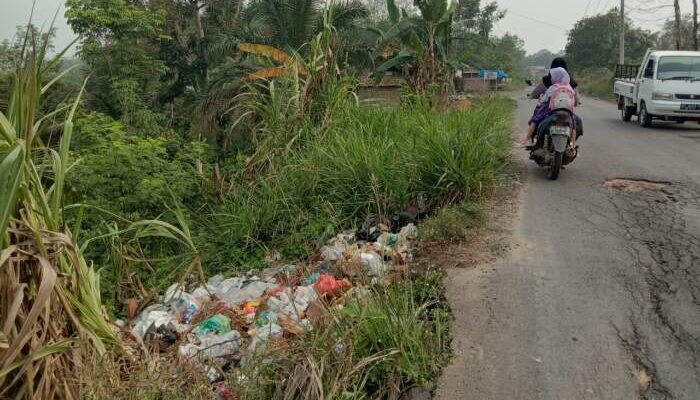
666	86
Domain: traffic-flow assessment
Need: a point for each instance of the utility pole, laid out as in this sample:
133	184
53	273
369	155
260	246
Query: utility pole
622	31
677	10
695	25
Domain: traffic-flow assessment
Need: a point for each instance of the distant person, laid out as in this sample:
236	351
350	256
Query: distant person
546	81
559	96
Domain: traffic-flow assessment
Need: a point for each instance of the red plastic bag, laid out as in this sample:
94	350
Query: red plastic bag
328	285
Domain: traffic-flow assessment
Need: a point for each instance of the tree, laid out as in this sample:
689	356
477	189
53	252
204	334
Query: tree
120	42
542	58
506	53
289	24
667	36
422	41
593	41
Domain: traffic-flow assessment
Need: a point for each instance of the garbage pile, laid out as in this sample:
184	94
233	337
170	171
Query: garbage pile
219	324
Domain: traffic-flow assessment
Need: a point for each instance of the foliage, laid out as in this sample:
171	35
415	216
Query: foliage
137	175
367	161
374	347
119	42
597	82
506	53
667	36
418	46
451	223
594	42
49	295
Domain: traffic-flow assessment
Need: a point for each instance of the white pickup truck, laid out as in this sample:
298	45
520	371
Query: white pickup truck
665	87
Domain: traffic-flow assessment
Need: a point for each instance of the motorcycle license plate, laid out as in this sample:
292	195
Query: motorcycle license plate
560	130
690	107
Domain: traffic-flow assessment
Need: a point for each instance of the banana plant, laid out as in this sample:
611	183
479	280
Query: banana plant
422	41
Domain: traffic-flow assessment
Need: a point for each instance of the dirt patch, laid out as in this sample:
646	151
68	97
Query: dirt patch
491	238
459	103
634	185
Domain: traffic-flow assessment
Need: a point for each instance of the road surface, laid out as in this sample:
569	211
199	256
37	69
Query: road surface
601	298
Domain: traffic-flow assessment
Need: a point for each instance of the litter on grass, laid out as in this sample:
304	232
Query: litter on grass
217	325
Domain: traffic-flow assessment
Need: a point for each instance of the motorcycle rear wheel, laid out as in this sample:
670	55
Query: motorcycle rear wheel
555	168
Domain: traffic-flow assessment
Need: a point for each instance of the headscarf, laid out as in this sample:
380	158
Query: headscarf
559	63
560	76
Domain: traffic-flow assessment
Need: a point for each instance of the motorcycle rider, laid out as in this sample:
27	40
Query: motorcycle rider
546	81
559	95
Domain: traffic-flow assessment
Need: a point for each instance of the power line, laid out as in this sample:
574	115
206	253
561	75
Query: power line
588	6
538	21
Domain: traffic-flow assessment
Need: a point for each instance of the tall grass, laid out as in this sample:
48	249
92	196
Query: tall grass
368	161
597	82
50	306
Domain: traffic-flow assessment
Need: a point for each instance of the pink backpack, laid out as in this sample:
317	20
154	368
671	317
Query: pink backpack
562	97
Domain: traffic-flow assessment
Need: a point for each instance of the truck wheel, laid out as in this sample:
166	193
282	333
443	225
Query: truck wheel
644	117
627	113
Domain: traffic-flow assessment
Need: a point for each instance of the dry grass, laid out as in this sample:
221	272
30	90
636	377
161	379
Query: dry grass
50	303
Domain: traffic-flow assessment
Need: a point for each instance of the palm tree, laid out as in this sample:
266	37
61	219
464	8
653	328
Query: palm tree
289	24
422	41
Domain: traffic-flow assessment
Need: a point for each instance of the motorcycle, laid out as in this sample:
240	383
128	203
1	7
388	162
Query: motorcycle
551	148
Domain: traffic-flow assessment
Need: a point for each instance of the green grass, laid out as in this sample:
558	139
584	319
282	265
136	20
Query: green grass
394	338
370	160
597	83
452	223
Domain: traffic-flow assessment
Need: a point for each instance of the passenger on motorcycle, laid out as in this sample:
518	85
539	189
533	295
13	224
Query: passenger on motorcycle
559	96
546	81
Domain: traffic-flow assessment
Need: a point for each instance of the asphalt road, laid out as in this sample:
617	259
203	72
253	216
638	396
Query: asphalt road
601	298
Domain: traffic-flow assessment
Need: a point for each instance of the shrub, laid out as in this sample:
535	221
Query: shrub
369	161
131	176
597	82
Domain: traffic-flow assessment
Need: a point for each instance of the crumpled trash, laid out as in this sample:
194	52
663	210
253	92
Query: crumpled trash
317	313
153	317
185	306
172	292
292	305
249	310
217	349
331	253
369	230
409	231
223	391
274	292
329	285
238	294
218	324
203	293
166	334
263	334
311	279
373	264
265	318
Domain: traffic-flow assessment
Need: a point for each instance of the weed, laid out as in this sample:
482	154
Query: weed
451	223
375	347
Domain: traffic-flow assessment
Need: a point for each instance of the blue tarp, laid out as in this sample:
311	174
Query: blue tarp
500	74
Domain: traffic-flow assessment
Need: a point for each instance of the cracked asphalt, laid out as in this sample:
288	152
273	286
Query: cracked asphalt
602	289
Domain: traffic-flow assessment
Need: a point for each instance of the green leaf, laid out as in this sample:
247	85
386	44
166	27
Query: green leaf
402	58
10	178
393	11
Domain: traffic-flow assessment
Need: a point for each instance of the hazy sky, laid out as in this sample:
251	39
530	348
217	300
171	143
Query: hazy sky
541	23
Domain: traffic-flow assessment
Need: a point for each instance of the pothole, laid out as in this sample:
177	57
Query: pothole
634	185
